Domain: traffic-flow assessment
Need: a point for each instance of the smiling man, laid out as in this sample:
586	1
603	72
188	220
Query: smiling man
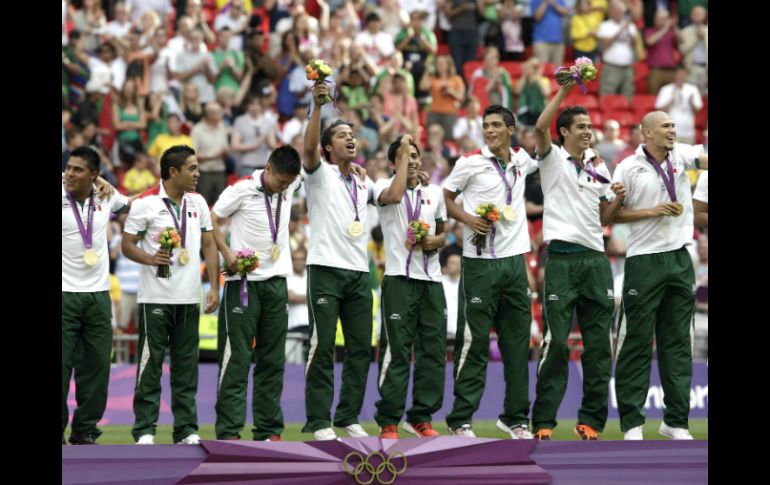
493	284
659	286
169	308
338	275
86	312
576	186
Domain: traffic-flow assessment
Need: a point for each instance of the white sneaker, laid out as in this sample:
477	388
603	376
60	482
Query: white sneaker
518	432
634	434
146	439
193	439
356	431
675	433
464	430
325	434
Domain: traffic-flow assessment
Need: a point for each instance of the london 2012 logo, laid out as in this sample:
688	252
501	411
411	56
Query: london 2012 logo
365	470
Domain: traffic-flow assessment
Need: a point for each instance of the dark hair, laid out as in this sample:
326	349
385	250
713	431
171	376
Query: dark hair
173	115
174	157
328	133
285	159
377	235
496	109
565	118
88	154
371	17
393	148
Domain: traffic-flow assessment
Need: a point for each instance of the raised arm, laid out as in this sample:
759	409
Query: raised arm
313	130
542	127
393	194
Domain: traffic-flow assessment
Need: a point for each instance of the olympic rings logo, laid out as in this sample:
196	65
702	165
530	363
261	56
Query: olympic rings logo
365	467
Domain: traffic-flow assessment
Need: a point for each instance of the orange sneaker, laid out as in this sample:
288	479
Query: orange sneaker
586	432
389	432
543	434
423	430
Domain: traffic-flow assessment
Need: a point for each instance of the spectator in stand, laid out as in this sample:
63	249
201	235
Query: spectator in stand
471	124
258	63
393	17
191	105
498	87
378	44
160	58
617	36
236	19
286	63
338	27
185	26
353	86
447	91
367	139
230	62
681	100
296	125
584	27
451	282
139	177
75	69
401	106
108	59
463	36
129	119
296	284
254	138
119	26
196	66
418	44
512	47
395	64
200	19
90	21
611	144
694	46
378	121
635	139
209	139
164	141
162	7
533	89
548	33
661	42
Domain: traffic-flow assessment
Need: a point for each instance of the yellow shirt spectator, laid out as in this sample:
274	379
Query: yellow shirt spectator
164	141
138	180
583	25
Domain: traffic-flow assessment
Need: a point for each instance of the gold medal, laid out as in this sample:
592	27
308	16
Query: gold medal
276	252
679	208
508	213
184	256
355	229
90	257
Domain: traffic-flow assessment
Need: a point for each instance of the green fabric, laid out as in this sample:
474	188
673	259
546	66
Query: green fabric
413	314
493	292
156	127
532	97
161	327
333	293
128	135
225	76
264	322
580	283
659	303
564	247
86	345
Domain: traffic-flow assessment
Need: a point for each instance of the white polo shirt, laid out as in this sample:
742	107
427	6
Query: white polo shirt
330	211
244	203
76	275
702	189
571	201
148	217
645	189
475	176
394	220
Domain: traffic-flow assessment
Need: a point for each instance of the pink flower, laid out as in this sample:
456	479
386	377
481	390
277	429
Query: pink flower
582	60
156	237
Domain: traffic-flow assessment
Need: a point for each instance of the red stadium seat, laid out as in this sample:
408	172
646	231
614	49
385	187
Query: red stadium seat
593	86
588	101
443	50
614	102
625	118
644	102
597	119
469	67
513	68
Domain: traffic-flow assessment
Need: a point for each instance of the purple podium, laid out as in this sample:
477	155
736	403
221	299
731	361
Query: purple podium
442	460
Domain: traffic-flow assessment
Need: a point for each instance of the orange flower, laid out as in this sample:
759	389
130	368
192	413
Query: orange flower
425	225
313	76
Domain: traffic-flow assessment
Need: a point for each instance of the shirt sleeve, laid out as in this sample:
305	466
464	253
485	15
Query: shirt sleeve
203	207
527	164
370	198
702	189
137	221
379	188
228	202
118	202
461	174
688	155
317	177
441	213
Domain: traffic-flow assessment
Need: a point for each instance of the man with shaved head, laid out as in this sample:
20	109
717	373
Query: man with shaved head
659	286
577	190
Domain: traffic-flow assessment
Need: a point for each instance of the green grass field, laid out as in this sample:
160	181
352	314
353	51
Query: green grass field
121	434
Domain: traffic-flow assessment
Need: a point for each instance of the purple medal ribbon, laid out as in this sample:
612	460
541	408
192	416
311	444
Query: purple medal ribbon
508	187
413	215
668	181
183	230
273	225
85	232
353	193
589	167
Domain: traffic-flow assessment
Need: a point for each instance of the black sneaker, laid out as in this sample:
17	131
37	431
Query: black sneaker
82	439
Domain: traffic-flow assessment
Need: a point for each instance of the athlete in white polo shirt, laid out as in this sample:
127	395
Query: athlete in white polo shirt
413	302
169	308
259	208
700	201
578	278
494	290
86	309
338	276
659	282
